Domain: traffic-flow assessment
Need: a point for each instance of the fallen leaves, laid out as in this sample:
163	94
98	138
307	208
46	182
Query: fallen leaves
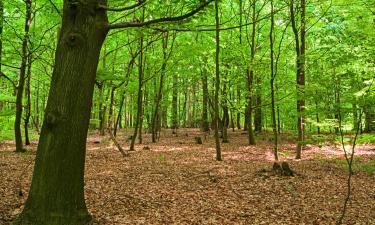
175	183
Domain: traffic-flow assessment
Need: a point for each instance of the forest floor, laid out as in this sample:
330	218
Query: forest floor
177	181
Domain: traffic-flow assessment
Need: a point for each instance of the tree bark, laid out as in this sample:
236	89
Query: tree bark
217	84
22	78
28	104
140	93
56	195
258	105
205	123
174	103
225	113
300	75
272	86
250	78
156	114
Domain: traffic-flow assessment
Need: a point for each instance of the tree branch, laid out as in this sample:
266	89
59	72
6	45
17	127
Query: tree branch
159	20
55	7
10	80
139	3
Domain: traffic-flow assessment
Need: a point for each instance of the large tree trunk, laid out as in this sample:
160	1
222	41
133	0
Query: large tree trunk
56	194
22	78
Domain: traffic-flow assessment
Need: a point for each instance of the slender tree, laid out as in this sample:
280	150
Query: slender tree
205	123
139	95
22	78
217	83
174	103
299	37
272	86
250	78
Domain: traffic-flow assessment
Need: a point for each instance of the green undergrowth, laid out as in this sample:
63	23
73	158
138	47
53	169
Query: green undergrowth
360	164
366	139
8	134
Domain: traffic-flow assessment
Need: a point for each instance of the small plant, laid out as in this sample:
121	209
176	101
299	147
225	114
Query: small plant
366	139
161	157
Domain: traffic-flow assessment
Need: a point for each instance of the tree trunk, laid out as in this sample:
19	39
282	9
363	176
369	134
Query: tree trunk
225	113
174	103
217	85
56	195
140	94
28	104
300	64
118	119
22	77
205	123
258	106
250	78
272	86
156	114
111	108
238	113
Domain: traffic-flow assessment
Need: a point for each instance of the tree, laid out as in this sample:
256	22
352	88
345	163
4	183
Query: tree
56	194
272	86
217	83
22	78
299	37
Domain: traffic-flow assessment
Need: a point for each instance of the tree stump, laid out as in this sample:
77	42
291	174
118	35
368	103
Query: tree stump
283	170
198	140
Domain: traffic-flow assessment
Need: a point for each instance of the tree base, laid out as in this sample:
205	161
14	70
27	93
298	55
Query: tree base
53	218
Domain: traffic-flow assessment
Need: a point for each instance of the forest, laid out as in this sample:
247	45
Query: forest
187	112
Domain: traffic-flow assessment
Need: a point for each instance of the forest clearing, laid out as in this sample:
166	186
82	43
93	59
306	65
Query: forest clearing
177	181
187	112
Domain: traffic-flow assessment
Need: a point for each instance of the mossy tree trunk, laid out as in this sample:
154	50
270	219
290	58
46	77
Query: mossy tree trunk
56	196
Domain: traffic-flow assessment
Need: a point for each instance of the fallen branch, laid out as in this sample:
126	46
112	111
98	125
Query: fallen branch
112	137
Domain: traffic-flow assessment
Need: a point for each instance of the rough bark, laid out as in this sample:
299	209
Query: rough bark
56	195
